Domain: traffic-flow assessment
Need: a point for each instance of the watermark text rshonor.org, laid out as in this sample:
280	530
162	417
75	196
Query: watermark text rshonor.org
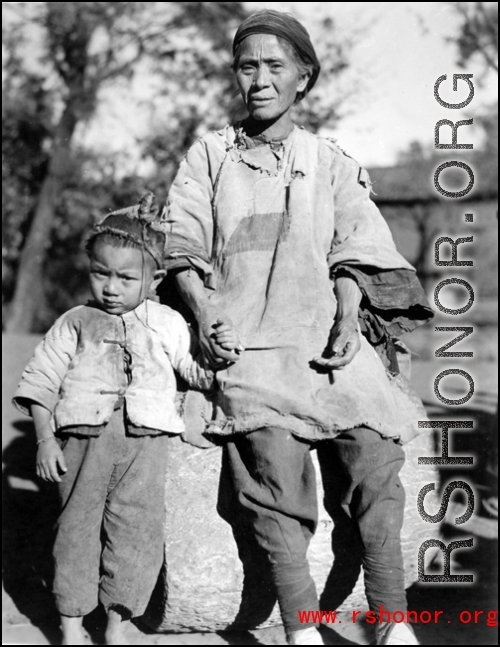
461	265
465	617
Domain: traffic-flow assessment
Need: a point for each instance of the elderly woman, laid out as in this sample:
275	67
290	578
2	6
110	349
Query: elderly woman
273	228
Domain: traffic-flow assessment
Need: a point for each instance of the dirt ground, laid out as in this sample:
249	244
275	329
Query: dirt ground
28	614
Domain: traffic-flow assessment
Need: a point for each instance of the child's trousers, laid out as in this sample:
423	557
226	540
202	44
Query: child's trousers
109	543
275	485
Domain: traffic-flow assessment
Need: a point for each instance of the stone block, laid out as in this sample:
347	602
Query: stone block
211	582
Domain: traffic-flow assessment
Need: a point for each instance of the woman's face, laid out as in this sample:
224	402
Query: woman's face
268	77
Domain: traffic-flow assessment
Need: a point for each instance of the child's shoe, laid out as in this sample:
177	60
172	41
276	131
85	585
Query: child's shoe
309	636
396	634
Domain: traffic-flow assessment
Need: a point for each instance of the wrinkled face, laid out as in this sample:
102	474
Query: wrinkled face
268	77
121	277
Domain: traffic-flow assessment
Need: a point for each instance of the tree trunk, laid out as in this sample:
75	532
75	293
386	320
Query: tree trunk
28	294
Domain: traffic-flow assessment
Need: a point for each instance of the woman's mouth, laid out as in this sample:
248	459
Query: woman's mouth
260	99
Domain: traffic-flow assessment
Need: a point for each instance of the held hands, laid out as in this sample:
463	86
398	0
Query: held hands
226	336
219	340
343	344
50	461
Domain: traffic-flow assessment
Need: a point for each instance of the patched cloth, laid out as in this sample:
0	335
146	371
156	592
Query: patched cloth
267	227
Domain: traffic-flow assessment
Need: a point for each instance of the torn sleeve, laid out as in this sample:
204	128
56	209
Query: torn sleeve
395	297
393	302
363	249
189	215
361	235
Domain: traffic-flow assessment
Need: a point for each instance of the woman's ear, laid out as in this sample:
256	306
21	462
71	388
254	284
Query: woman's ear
304	80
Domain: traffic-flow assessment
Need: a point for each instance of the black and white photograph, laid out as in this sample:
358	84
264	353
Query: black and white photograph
250	323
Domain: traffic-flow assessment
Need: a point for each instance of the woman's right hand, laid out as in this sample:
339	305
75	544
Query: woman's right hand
50	461
191	288
214	352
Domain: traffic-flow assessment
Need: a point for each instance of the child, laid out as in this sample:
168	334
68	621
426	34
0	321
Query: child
103	376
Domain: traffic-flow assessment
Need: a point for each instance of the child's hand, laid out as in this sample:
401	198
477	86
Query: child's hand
226	337
50	461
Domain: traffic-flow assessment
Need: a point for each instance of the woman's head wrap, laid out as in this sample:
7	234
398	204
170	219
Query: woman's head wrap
138	224
284	26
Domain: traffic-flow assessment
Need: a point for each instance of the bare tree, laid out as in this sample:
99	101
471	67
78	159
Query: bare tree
478	33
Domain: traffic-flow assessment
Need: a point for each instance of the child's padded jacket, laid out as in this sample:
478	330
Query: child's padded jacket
79	370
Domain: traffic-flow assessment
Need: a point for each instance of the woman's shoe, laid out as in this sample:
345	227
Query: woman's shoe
396	634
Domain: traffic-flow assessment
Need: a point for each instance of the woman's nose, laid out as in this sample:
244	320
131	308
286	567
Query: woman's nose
261	78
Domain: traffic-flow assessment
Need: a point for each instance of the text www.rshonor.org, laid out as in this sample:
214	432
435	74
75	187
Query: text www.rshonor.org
465	617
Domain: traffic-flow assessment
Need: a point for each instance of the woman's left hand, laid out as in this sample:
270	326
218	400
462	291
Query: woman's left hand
343	344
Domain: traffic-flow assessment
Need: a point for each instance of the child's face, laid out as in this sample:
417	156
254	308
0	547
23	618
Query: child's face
121	277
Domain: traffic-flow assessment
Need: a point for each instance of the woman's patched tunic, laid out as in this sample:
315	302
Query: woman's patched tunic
266	226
